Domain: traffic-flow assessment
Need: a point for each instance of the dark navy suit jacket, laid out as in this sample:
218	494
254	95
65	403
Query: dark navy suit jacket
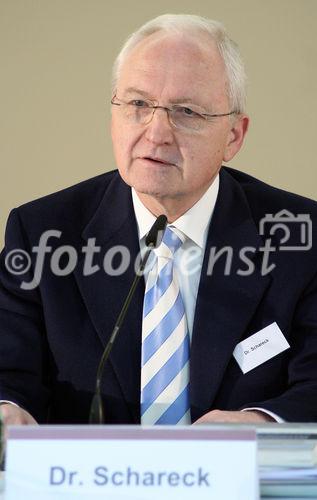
52	337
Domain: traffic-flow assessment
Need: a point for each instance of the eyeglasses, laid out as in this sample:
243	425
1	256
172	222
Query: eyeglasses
141	112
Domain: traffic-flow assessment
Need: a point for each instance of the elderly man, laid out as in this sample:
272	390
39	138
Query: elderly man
224	325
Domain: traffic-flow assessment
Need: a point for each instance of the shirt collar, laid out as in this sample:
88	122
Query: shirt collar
194	223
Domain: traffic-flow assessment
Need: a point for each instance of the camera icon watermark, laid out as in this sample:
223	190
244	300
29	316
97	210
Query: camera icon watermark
293	231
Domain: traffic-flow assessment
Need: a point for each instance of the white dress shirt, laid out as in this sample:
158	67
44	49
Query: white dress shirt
194	225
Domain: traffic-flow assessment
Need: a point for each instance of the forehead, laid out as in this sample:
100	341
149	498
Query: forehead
167	66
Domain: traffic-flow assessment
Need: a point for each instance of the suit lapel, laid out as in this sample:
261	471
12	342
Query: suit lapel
225	303
114	224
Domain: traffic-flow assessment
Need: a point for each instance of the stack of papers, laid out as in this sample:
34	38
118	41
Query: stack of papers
288	461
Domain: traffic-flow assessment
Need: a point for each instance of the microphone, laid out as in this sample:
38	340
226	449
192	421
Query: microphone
155	235
153	240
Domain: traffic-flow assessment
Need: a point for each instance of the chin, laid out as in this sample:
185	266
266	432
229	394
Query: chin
151	191
157	186
150	188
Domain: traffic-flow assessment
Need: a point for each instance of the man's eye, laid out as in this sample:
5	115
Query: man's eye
186	111
139	103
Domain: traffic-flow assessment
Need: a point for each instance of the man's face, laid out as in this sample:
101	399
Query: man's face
161	162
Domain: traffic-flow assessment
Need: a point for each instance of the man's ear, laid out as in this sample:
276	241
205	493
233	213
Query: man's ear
236	136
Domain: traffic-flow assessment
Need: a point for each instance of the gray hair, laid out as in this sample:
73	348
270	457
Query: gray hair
185	23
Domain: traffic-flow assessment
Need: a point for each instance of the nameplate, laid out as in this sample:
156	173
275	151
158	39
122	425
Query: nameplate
120	462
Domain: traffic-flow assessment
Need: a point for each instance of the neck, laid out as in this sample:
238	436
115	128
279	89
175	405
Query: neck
173	208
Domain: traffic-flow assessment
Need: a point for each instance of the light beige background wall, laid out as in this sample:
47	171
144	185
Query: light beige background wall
56	58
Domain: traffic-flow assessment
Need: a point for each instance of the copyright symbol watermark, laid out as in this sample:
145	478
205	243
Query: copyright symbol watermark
18	262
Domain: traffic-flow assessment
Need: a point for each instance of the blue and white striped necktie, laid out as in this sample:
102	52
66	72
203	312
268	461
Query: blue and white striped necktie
165	342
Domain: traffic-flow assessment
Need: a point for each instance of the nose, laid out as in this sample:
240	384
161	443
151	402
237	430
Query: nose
159	130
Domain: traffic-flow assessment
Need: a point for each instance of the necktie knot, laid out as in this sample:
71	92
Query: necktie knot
171	242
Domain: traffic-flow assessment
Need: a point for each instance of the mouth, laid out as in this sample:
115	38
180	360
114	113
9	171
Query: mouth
156	161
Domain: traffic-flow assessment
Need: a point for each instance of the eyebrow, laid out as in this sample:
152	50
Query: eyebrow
133	90
179	100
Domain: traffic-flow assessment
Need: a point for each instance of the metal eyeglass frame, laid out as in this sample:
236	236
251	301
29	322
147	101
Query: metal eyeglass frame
205	116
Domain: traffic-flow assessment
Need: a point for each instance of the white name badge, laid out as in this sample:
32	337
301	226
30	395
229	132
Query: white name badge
260	347
132	462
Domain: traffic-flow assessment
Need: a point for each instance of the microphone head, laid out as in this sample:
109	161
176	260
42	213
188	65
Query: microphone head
155	235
